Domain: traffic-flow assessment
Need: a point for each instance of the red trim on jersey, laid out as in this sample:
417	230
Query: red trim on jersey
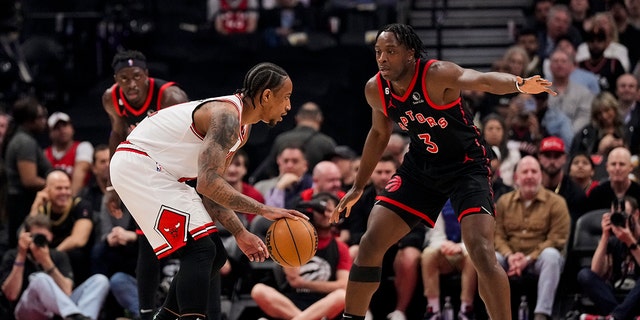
381	92
145	106
467	212
185	179
426	94
411	86
114	99
132	150
407	208
160	92
195	131
139	232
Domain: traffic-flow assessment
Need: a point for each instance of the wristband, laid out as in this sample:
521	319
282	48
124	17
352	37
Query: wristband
109	188
50	270
518	86
18	263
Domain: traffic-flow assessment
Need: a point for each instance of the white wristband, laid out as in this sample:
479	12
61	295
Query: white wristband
110	188
518	86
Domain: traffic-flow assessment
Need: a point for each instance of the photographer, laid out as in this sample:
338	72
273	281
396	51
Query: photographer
615	264
40	279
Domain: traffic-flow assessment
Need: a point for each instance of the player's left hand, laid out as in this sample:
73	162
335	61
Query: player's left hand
273	213
252	246
535	85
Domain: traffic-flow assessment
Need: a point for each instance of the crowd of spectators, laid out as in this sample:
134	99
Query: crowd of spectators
564	155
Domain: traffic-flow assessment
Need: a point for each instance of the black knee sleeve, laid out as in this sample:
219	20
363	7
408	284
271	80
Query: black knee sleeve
365	274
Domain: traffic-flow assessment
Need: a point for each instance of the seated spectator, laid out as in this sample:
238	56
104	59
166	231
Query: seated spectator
25	163
317	289
618	184
326	178
71	221
615	265
65	153
397	146
602	28
578	75
234	18
573	99
627	93
552	156
94	191
446	254
527	38
606	130
532	229
495	133
288	23
343	157
291	180
628	34
39	279
581	11
607	69
582	171
306	134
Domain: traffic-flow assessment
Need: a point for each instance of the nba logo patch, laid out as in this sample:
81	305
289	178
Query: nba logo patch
394	184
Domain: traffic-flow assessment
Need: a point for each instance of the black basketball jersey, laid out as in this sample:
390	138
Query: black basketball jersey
151	104
442	136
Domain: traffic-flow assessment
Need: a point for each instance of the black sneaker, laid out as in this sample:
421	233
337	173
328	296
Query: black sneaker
430	315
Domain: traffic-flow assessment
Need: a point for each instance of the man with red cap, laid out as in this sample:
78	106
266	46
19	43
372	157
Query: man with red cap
552	155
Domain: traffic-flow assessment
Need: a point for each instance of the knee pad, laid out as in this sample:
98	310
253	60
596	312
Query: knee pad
365	274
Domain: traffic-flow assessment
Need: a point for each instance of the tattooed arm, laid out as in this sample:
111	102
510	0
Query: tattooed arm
221	123
250	244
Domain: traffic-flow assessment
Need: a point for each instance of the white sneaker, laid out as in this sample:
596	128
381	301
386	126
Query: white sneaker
396	315
368	315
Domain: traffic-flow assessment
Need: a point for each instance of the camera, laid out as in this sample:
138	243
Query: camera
619	217
40	240
307	207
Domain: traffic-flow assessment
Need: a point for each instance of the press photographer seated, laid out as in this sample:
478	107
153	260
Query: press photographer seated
39	279
615	266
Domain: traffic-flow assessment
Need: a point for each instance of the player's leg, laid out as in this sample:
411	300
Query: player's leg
274	303
477	234
406	265
148	278
384	229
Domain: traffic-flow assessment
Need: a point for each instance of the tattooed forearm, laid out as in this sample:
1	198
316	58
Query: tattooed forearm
222	135
225	216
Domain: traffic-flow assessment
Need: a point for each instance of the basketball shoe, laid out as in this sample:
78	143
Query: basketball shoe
430	315
466	314
586	316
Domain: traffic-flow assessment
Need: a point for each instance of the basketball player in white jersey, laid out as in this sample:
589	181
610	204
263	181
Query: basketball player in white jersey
196	140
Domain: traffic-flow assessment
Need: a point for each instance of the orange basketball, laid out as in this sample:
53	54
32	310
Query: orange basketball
291	242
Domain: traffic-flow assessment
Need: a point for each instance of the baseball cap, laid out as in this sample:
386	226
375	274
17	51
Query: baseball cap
56	117
552	144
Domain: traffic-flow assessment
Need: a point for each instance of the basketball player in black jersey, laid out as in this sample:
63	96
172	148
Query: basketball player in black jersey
129	100
447	159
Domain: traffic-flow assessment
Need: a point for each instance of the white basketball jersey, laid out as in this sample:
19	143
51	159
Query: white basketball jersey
170	138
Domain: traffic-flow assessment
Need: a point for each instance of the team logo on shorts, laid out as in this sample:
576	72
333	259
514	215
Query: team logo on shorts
394	184
173	225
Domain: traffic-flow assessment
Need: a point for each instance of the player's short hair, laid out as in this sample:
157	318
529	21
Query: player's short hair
407	36
261	77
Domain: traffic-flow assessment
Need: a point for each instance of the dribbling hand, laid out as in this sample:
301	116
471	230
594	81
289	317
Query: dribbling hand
273	213
346	203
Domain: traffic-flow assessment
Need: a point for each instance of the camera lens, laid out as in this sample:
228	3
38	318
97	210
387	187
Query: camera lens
618	219
40	240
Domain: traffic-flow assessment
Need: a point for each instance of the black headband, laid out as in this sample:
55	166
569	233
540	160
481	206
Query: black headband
129	63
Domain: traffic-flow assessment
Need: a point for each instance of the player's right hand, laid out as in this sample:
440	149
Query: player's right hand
273	213
346	203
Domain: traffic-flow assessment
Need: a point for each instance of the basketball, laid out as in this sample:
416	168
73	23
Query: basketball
291	243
